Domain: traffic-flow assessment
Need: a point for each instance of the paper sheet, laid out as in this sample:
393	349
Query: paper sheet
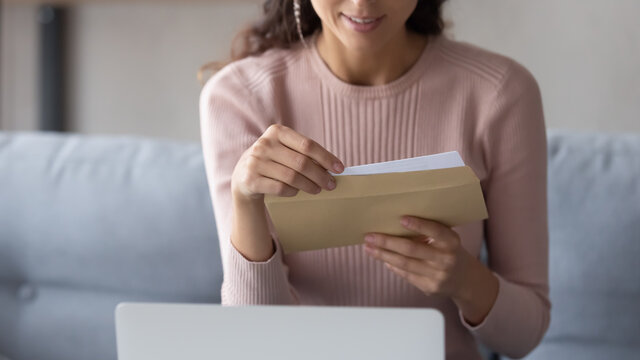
428	162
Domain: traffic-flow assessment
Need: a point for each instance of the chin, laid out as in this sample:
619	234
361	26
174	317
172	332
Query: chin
363	44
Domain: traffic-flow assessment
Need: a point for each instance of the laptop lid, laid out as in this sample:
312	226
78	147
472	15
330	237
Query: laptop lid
154	331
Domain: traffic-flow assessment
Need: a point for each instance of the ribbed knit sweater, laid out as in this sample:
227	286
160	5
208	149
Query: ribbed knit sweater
455	97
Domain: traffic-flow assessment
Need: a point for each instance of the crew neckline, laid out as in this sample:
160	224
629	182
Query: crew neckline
392	88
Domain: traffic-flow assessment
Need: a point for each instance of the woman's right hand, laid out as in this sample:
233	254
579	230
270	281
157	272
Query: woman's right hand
282	162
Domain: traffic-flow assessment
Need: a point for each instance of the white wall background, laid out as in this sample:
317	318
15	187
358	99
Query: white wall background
134	65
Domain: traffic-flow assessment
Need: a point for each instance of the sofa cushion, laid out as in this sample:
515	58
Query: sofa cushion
594	221
89	221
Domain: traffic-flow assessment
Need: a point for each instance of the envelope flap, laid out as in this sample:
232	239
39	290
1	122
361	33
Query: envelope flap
350	186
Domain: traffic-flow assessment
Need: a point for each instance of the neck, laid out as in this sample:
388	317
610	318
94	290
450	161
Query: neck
373	67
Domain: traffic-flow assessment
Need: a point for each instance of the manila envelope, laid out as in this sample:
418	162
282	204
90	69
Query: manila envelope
375	203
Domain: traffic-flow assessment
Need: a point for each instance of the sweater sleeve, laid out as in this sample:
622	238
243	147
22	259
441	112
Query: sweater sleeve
231	120
516	230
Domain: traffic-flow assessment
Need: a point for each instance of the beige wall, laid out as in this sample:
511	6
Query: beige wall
584	53
134	65
18	65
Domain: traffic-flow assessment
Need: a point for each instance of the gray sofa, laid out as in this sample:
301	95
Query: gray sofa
90	221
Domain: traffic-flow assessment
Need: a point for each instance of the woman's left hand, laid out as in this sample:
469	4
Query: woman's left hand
434	261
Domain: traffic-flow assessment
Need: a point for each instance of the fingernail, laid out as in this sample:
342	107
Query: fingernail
369	249
338	167
405	221
331	185
369	239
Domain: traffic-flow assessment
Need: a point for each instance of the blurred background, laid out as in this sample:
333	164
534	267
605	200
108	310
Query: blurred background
129	67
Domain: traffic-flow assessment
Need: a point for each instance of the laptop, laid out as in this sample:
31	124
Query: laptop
158	331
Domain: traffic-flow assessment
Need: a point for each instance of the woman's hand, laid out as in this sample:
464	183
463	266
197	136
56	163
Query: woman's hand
433	261
282	162
436	263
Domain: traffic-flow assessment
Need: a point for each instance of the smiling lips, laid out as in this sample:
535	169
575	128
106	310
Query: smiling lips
362	24
361	20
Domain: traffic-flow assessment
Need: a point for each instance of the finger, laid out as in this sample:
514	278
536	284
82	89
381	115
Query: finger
414	248
266	185
400	261
310	148
303	165
287	175
443	237
421	282
418	248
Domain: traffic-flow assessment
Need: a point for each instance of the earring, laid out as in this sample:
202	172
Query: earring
296	14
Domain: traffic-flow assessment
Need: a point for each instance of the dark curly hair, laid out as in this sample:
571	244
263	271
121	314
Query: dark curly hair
277	27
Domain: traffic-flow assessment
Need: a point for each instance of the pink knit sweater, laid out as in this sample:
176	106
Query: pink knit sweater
456	97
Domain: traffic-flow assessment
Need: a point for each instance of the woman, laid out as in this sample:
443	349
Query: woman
323	84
